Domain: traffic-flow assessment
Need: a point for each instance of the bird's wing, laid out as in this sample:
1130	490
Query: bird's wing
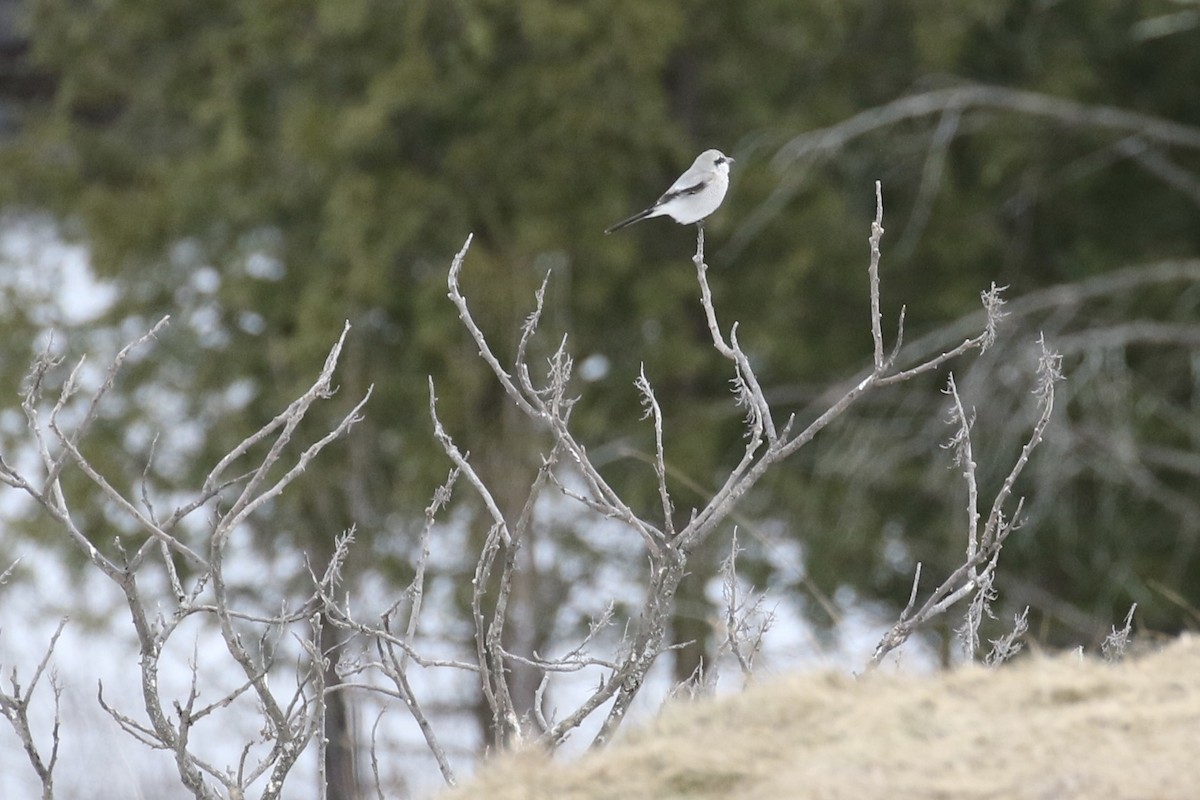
682	189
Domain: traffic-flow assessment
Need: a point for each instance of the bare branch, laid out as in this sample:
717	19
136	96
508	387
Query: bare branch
963	98
960	443
396	670
549	406
93	408
873	274
746	624
650	404
993	304
416	589
485	350
1117	642
931	180
1008	645
15	704
974	577
375	755
464	466
1049	374
756	401
147	524
667	550
251	498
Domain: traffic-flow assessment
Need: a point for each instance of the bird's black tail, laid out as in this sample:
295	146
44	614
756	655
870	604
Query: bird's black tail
638	217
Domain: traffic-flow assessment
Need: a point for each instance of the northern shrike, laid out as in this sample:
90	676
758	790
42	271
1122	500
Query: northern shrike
693	196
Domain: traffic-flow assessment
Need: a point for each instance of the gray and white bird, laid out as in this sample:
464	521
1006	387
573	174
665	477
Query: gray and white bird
693	196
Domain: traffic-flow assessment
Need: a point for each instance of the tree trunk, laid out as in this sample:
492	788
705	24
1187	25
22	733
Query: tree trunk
341	751
691	630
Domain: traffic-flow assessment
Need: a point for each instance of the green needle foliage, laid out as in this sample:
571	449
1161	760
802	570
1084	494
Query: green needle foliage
265	171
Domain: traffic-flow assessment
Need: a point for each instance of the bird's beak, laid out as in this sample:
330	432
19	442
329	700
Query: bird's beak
729	159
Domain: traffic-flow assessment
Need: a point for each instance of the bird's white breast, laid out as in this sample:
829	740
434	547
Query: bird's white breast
696	207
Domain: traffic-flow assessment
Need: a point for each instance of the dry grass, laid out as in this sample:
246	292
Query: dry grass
1045	728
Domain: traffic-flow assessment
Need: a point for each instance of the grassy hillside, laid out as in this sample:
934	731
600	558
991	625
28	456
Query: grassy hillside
1045	728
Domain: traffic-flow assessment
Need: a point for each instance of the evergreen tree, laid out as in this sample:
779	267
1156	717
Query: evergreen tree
265	171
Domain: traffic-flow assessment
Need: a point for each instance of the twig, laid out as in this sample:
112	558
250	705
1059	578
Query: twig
975	575
650	404
14	705
873	274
